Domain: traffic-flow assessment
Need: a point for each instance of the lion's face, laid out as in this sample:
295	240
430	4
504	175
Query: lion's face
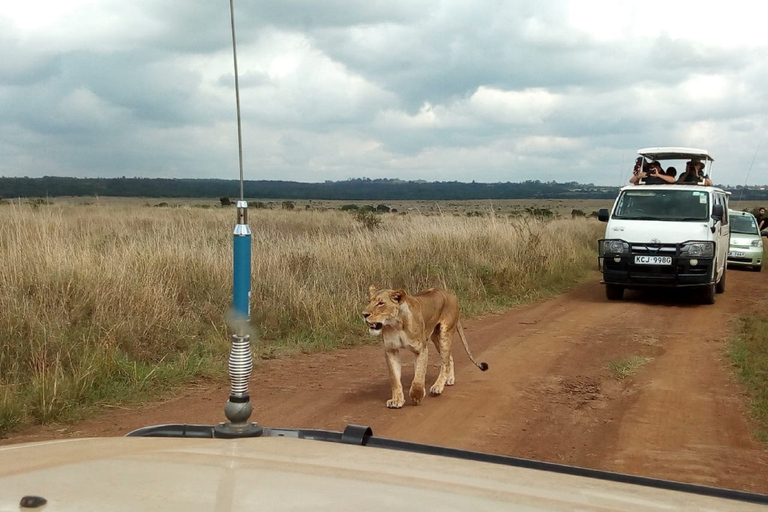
383	309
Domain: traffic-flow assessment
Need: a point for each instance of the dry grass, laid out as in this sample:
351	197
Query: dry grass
103	304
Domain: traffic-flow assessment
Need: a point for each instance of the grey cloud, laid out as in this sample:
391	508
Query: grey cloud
152	93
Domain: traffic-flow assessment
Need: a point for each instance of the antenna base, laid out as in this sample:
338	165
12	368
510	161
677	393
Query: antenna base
233	431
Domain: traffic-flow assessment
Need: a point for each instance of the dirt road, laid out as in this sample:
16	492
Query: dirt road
549	393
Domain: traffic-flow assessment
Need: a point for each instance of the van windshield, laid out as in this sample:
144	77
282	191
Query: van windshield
669	204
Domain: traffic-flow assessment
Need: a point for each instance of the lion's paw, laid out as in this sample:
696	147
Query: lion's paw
436	390
417	393
395	403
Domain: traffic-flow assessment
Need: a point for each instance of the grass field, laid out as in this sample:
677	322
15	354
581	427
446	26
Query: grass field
749	353
108	300
560	207
103	302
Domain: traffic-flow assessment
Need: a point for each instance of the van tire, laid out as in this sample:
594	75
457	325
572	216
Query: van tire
758	268
614	292
708	295
720	286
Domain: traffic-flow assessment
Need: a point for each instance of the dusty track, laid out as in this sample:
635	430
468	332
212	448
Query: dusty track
548	394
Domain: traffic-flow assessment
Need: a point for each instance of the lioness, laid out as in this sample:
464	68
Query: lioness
408	322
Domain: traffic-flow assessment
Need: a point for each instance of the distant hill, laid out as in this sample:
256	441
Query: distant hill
354	189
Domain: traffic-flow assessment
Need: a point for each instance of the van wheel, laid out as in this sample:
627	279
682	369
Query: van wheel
720	286
613	292
758	268
708	297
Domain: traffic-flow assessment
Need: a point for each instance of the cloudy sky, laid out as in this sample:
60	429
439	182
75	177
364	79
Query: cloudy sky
460	90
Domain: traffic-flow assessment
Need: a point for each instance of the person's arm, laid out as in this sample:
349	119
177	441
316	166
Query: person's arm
707	182
668	179
635	178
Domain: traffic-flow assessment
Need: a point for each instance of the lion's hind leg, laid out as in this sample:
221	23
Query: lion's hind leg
442	341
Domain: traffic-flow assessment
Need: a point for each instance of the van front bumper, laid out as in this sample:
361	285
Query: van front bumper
679	276
676	271
745	257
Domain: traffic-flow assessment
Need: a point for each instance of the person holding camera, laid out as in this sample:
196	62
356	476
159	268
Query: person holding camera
693	174
649	173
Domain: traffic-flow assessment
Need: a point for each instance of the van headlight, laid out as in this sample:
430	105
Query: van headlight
615	247
698	249
756	243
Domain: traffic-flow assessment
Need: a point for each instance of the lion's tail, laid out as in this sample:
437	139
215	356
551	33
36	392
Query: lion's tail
482	366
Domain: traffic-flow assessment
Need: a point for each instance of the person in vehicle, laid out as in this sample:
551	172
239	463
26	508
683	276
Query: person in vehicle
693	173
639	169
652	175
671	171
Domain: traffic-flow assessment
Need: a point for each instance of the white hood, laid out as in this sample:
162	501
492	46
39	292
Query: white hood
663	232
282	474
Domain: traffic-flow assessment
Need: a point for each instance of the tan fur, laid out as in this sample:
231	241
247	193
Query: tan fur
409	322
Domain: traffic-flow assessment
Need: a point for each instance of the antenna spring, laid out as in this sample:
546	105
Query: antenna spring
240	365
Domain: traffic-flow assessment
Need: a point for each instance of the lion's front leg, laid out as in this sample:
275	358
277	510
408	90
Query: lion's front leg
418	388
393	363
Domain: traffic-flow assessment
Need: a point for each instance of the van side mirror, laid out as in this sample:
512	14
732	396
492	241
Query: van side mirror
603	215
717	212
717	215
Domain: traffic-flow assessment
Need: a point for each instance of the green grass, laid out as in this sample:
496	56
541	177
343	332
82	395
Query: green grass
627	367
749	354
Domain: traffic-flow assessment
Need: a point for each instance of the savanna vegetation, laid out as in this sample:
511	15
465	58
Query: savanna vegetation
749	353
107	304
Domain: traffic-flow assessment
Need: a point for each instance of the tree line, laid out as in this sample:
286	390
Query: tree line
360	189
354	189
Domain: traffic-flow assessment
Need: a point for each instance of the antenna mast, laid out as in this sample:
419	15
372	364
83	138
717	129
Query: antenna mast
238	408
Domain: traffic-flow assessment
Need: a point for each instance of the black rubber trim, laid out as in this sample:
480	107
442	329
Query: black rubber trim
363	436
356	434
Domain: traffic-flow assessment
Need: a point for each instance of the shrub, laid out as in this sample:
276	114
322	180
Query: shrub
368	219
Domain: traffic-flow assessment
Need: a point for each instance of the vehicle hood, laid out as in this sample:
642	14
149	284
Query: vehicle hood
662	232
743	239
137	474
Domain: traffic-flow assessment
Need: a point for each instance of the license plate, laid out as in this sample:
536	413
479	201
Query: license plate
653	260
737	254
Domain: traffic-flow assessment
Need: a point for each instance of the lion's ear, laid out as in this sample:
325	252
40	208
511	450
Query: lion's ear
372	291
397	296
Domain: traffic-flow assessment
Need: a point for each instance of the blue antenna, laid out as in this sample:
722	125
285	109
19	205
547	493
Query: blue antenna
238	409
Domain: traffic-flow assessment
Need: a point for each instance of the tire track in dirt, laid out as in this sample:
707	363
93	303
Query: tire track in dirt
549	393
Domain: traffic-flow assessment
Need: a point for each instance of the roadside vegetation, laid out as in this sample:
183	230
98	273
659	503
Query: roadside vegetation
103	305
627	367
749	354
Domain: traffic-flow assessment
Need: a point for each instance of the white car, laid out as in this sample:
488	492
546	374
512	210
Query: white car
241	466
187	468
746	248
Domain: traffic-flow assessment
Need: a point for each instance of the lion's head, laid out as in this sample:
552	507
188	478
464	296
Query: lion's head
383	308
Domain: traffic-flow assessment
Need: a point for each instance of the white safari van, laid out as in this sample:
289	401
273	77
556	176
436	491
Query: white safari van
673	235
